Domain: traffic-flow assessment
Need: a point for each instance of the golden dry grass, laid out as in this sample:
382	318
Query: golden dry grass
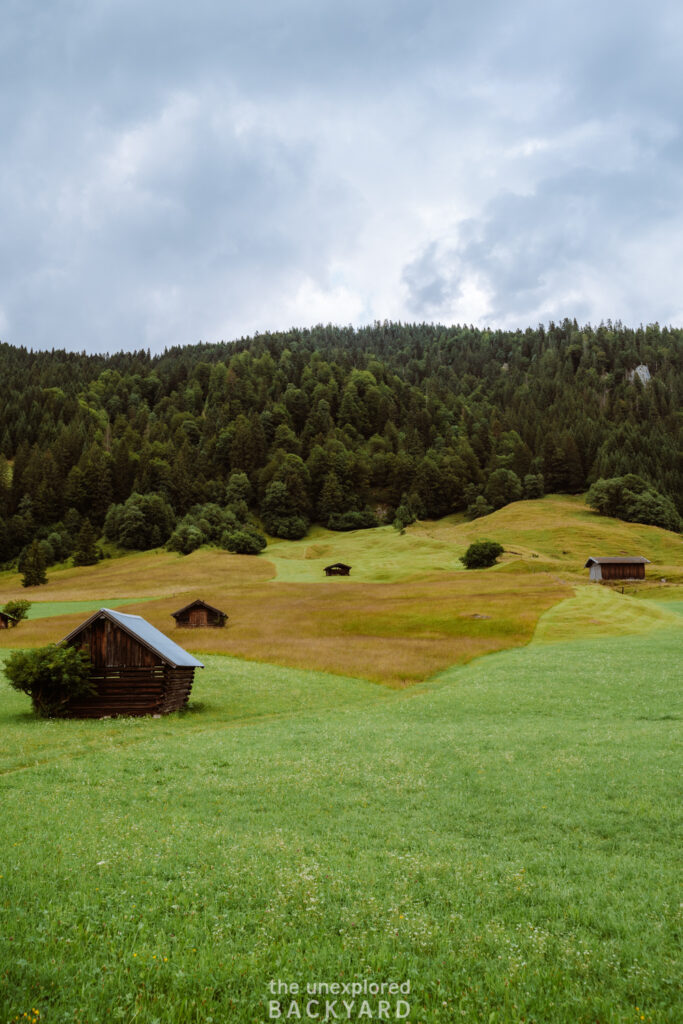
562	532
408	610
144	574
396	634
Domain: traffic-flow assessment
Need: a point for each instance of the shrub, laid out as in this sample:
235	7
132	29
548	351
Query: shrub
408	512
364	520
18	610
51	676
243	542
631	498
481	554
185	539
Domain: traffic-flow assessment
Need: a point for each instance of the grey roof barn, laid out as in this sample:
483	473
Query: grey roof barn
137	670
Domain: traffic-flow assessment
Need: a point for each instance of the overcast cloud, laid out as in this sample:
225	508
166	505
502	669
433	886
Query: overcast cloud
175	172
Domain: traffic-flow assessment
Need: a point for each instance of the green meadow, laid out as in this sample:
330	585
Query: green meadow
498	832
505	837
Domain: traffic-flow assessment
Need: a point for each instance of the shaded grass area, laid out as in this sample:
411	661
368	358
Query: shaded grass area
505	837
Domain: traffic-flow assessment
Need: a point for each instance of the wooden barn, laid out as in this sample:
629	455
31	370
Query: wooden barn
7	620
136	669
626	568
198	614
338	569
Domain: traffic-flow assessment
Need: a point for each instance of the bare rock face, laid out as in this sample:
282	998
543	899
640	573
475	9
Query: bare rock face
642	372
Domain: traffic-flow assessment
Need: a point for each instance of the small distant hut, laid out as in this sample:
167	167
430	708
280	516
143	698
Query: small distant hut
7	620
198	614
136	669
625	568
338	569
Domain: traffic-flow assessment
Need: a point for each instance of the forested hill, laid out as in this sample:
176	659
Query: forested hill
344	421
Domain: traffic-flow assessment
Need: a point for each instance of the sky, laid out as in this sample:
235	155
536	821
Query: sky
175	172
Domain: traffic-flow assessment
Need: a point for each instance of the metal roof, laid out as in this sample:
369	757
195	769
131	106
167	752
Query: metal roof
626	560
194	604
148	635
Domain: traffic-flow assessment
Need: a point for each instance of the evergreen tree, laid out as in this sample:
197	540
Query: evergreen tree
87	552
331	501
33	566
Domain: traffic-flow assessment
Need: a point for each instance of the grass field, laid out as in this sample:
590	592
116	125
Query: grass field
506	837
502	835
409	609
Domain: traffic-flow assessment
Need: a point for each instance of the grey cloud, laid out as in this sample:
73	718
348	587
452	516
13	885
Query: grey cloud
528	252
173	170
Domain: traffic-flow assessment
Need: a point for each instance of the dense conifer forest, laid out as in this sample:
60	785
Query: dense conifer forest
340	426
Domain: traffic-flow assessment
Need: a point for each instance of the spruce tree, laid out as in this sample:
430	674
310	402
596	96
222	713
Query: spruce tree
87	552
34	567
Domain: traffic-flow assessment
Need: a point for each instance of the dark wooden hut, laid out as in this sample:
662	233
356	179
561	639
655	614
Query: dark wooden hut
625	568
198	614
7	620
338	569
136	669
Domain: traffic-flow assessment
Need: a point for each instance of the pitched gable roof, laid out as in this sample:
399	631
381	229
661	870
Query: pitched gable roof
146	634
195	604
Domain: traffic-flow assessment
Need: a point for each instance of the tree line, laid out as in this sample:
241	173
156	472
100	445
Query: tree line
347	427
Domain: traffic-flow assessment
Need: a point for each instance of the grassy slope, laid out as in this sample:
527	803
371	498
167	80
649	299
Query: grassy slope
505	837
559	530
408	610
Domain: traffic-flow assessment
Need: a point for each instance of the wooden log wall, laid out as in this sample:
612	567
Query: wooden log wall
126	691
622	572
132	692
178	685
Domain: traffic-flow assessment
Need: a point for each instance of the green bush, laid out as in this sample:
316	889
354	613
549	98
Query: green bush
51	676
18	610
481	554
408	512
353	520
631	498
243	542
185	539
